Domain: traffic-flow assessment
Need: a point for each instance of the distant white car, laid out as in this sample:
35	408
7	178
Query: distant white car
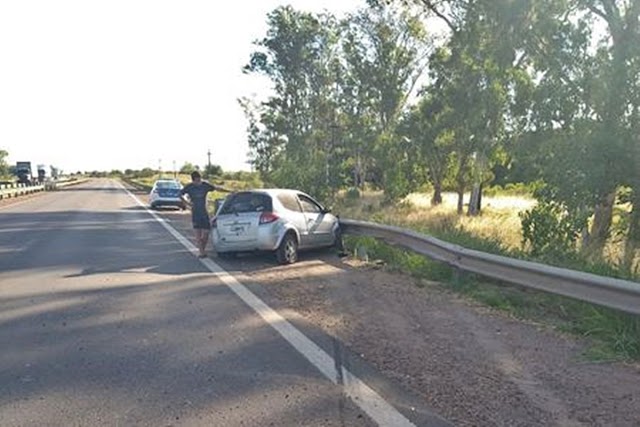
166	192
279	221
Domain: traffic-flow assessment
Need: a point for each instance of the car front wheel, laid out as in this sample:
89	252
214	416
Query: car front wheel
287	252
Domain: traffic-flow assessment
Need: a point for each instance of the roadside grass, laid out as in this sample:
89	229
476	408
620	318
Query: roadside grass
612	335
496	230
498	221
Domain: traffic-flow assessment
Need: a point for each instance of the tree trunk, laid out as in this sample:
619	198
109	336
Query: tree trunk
461	181
633	233
475	203
601	225
437	194
358	175
460	199
585	238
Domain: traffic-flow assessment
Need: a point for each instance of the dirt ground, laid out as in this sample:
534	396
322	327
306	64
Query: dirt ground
474	366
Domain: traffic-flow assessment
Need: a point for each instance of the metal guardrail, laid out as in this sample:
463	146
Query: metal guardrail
608	292
15	190
54	185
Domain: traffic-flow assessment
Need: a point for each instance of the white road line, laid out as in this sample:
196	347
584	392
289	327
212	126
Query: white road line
378	409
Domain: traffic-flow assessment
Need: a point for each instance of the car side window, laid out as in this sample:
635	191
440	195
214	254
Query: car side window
308	205
289	202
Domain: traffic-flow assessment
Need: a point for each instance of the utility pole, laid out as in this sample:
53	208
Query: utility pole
175	171
207	170
159	168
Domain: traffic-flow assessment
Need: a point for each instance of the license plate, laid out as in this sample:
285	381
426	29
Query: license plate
238	228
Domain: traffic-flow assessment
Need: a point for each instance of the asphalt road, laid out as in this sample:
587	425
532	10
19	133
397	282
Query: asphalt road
106	319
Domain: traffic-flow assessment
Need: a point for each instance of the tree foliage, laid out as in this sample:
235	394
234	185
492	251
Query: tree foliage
340	88
533	91
4	166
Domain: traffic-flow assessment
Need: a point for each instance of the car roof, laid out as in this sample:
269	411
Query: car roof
272	191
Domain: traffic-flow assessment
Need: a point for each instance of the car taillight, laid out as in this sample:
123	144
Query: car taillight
268	218
214	222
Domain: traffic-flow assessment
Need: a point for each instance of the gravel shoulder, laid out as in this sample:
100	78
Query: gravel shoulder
474	366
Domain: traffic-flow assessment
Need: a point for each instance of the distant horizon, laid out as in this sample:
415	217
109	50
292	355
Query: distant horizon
163	171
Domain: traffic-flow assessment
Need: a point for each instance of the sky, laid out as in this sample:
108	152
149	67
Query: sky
100	85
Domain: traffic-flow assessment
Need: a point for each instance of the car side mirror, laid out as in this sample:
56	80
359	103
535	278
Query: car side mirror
326	210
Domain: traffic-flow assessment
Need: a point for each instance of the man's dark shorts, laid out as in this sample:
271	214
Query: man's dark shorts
200	220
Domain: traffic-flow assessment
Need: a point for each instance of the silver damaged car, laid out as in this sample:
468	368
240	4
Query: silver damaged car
276	220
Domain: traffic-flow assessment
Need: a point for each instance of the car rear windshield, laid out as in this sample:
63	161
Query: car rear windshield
247	202
167	184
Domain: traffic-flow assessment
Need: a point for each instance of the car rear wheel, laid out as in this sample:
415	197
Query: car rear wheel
287	252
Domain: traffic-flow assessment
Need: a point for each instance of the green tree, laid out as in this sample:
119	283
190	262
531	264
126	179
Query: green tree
615	144
188	168
427	129
385	51
290	133
584	107
146	173
211	171
340	91
478	74
4	166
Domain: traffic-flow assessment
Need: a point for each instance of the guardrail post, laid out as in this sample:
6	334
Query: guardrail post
458	275
361	253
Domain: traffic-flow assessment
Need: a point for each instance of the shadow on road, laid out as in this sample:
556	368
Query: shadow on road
165	352
91	242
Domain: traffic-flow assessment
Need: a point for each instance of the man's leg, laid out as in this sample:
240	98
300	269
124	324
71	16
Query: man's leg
199	241
205	240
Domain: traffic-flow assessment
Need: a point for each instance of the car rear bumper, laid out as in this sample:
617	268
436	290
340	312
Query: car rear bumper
266	241
167	201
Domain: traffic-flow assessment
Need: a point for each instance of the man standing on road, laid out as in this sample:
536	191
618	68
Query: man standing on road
197	191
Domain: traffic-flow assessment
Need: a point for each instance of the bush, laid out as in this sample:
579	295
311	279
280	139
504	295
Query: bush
352	194
549	230
144	173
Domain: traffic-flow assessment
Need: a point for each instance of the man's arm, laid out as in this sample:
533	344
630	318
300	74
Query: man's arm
212	187
183	194
222	189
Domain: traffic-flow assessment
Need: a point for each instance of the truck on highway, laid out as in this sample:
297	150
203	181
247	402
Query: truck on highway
55	172
24	173
42	174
